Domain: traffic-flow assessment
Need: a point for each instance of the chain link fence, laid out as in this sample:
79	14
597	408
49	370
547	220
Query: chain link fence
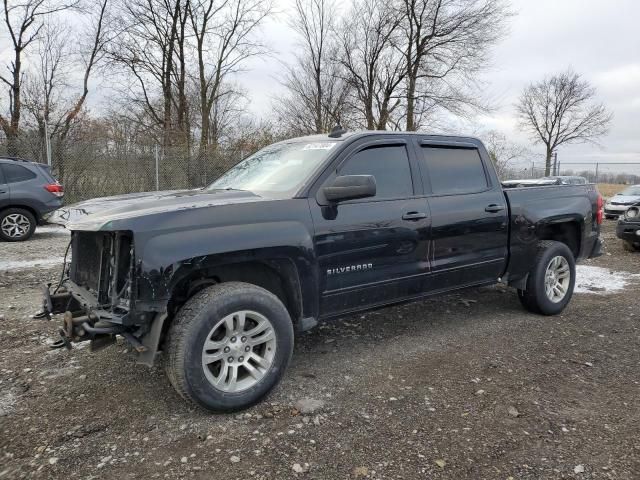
97	169
104	165
627	173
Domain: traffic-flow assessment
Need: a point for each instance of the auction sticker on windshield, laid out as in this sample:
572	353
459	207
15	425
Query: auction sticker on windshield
319	146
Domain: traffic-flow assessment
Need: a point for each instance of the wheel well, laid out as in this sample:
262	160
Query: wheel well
565	232
23	207
280	277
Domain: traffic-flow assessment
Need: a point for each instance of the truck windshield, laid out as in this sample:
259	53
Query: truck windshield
277	170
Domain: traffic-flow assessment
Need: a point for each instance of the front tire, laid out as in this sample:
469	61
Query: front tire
16	225
551	281
229	346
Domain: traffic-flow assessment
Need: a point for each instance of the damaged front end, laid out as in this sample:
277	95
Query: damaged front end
96	292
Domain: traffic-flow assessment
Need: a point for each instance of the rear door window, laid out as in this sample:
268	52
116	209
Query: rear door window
454	170
17	173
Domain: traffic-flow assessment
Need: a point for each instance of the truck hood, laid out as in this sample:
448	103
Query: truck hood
96	213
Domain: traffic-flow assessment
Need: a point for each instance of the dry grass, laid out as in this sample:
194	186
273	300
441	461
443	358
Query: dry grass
610	189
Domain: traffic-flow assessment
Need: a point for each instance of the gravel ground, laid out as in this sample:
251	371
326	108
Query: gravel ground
462	386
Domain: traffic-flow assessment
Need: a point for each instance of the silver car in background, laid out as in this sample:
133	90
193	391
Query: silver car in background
619	203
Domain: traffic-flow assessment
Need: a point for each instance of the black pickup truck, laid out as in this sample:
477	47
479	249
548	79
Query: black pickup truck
220	278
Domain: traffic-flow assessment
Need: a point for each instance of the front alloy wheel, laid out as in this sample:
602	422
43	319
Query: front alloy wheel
239	351
228	346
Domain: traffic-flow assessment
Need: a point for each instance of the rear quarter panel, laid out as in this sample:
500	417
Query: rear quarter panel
534	208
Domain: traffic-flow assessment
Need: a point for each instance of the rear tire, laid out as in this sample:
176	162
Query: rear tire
16	225
630	246
229	346
551	280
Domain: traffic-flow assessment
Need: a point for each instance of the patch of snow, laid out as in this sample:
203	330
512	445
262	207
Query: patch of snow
6	265
54	229
601	280
7	403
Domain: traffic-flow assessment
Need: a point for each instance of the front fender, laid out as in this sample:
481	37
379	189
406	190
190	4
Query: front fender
168	259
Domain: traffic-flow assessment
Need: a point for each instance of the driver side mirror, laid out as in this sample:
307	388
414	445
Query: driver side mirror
350	187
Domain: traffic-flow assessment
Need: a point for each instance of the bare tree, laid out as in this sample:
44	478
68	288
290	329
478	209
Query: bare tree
146	49
316	92
561	109
224	35
501	151
373	67
445	44
49	94
24	22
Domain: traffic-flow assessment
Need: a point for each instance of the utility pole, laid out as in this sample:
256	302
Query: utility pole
555	163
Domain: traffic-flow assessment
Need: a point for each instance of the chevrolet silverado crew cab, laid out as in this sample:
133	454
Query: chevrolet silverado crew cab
218	279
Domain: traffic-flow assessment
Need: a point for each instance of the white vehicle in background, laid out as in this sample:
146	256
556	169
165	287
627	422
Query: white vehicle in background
540	182
619	203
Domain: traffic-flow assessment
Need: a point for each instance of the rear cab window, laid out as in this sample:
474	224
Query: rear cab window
453	170
14	173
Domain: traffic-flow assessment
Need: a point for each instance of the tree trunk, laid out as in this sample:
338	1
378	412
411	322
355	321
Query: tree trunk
368	111
14	122
411	90
547	163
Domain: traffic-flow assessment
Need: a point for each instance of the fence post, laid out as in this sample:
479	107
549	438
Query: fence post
47	142
157	172
596	173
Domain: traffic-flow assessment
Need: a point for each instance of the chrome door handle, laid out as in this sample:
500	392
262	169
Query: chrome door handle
413	216
494	208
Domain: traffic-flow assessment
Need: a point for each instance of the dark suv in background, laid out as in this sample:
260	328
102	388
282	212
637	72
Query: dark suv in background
28	191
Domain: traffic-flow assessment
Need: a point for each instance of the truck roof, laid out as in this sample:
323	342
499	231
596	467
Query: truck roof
366	133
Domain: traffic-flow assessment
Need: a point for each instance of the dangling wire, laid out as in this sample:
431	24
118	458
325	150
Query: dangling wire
64	268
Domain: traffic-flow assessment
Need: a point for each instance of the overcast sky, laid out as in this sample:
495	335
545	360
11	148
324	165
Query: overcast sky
598	39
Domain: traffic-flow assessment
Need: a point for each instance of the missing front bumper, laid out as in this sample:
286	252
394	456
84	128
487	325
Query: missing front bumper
84	321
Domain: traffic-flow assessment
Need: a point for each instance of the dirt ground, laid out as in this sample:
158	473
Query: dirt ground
462	386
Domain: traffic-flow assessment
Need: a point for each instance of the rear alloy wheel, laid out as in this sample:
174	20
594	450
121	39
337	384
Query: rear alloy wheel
551	280
16	225
228	346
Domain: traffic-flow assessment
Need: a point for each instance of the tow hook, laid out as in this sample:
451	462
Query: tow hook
64	342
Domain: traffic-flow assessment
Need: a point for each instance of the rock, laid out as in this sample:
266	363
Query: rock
480	392
578	469
307	406
1	317
234	459
513	411
300	468
359	472
184	459
440	462
53	460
